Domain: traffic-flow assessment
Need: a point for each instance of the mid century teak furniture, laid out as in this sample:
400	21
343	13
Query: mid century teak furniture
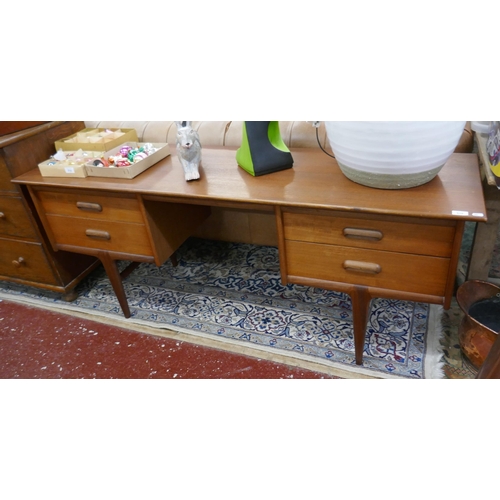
25	253
332	233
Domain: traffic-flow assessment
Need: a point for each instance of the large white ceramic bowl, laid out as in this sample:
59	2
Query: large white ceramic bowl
393	155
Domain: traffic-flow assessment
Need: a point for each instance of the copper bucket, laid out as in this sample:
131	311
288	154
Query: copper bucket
476	338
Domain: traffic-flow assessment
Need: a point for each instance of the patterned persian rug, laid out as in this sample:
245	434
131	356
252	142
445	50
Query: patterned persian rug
231	296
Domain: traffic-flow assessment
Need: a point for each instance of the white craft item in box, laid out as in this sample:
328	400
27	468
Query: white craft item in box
163	150
67	168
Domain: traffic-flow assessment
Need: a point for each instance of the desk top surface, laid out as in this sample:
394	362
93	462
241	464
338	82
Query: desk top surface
315	181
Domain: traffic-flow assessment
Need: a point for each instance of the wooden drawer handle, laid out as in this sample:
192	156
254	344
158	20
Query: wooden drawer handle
362	267
94	233
19	262
2	215
365	234
93	207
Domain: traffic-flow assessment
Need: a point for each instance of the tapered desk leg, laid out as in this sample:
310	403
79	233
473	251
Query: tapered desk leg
173	260
129	270
360	299
116	281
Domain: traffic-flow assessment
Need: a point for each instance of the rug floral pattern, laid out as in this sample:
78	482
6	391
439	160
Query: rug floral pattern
234	291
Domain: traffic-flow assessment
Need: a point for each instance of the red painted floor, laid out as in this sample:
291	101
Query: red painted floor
36	343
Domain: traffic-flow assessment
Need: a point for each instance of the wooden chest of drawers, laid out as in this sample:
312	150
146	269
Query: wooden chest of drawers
25	255
25	260
14	219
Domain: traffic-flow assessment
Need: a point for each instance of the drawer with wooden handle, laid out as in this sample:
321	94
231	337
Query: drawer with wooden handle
358	266
101	235
25	260
85	204
429	238
14	221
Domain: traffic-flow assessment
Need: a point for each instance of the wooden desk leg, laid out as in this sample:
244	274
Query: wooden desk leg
116	281
485	237
129	270
360	299
70	296
173	260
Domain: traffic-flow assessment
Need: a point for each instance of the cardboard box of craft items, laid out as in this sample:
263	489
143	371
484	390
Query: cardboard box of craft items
129	172
97	139
67	163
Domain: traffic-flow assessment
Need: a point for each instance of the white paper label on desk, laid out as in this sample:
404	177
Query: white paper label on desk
459	212
477	214
69	170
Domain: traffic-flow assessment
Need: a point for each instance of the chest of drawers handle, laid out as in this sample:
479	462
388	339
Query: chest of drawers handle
19	262
92	207
94	233
361	267
2	215
364	234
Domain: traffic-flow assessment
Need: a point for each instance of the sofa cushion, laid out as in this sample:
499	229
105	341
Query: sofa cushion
295	134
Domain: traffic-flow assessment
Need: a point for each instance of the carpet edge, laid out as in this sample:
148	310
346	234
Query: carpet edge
206	340
434	364
433	355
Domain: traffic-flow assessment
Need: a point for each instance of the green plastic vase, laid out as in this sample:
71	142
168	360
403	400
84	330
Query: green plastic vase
262	149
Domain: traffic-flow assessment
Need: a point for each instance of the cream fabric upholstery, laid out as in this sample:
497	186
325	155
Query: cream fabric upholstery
212	133
218	133
234	134
297	134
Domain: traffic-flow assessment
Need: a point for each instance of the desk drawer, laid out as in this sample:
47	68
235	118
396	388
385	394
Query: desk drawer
381	269
27	261
101	235
109	206
14	221
392	235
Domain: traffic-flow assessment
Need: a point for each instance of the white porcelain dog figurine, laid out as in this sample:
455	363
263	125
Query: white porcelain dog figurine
188	150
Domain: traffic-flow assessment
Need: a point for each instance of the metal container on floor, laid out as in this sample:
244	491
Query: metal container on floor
480	303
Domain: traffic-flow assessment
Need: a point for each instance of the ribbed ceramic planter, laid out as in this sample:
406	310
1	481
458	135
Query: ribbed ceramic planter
393	155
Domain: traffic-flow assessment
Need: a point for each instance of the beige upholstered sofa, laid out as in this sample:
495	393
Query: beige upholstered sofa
218	133
231	224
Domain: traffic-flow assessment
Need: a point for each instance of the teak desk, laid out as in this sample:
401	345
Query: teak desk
332	232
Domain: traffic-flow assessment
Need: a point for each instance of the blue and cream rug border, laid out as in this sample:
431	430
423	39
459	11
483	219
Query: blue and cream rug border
231	293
